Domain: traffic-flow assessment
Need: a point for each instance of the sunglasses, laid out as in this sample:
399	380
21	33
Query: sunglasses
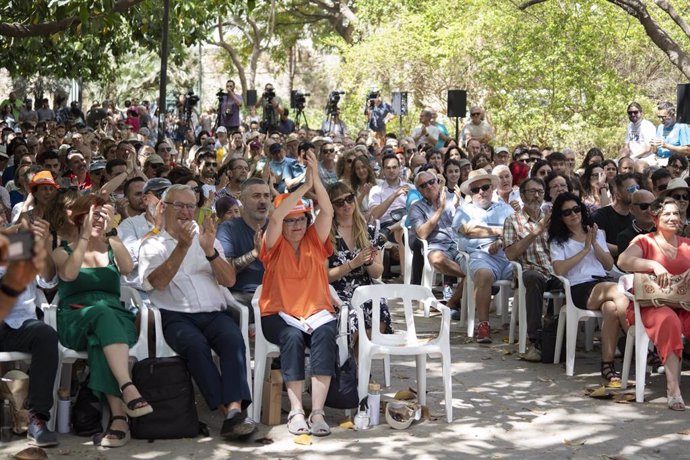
574	209
411	151
642	206
633	112
211	163
680	197
483	188
475	114
349	199
328	151
428	183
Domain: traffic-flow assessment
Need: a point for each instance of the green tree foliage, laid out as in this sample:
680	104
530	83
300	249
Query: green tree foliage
562	77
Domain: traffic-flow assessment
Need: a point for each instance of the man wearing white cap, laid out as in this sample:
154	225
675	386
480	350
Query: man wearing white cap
480	225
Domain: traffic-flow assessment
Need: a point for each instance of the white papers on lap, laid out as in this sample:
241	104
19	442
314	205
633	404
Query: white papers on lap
311	323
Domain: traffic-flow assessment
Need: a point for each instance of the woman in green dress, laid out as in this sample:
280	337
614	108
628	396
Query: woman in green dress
90	316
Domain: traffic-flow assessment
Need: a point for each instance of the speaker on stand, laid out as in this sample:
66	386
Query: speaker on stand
457	107
251	97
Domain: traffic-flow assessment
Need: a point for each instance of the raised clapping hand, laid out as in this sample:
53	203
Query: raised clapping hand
186	235
207	234
258	237
365	256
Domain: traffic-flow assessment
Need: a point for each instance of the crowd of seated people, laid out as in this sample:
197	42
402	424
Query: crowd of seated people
190	219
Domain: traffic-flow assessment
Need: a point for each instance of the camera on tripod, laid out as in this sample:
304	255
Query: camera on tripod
221	94
371	98
298	99
269	95
332	103
190	100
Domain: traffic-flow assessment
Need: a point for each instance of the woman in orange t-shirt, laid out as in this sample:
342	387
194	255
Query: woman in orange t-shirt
295	283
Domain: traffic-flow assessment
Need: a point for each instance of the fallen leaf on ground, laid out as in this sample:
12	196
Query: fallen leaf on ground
404	395
303	440
264	441
31	453
684	432
545	380
346	425
624	398
598	393
506	352
573	442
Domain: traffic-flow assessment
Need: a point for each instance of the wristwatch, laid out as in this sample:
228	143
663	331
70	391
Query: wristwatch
112	232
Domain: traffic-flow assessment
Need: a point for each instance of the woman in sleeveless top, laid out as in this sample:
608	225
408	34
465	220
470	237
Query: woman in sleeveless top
90	316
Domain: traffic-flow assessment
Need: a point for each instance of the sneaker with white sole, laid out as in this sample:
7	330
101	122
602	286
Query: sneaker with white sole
484	332
532	355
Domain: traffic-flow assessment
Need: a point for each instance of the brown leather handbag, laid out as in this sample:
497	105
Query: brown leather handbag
649	294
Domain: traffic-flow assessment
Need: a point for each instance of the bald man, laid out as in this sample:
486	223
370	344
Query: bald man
642	219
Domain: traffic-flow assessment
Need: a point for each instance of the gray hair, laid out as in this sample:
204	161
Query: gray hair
249	182
174	189
668	106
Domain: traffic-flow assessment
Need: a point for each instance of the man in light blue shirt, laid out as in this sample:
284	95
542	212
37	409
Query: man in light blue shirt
480	228
671	137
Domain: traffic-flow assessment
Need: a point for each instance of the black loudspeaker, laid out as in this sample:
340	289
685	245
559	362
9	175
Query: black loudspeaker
683	103
399	102
251	97
457	103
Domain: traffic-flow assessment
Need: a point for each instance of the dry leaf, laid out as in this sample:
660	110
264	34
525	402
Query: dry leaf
404	395
573	443
624	398
506	352
264	441
303	440
684	432
31	453
346	425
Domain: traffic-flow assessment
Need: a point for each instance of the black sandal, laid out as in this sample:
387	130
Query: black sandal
608	372
137	407
118	438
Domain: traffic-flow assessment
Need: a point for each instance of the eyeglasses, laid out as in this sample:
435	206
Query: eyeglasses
633	188
328	151
661	187
241	168
534	191
483	188
428	183
574	209
349	199
292	221
676	166
642	206
633	112
664	117
180	206
411	151
680	196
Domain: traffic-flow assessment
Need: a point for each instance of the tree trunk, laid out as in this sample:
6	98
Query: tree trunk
235	58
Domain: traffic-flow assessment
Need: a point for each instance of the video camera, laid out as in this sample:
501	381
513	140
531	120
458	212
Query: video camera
300	99
190	100
371	98
332	103
221	94
269	95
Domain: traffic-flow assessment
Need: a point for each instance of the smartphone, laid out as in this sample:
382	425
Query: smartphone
203	213
21	246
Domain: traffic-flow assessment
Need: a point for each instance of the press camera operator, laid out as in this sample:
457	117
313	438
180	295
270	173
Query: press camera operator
229	107
378	114
272	109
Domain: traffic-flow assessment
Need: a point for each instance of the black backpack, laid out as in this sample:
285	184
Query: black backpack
166	384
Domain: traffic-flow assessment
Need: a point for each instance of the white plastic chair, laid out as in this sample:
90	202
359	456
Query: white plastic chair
570	317
520	311
407	269
263	349
404	343
637	335
468	309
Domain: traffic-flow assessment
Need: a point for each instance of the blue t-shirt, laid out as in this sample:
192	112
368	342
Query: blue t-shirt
378	116
678	135
237	239
283	169
493	216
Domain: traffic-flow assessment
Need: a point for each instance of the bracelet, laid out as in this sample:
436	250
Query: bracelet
214	256
349	265
84	238
8	291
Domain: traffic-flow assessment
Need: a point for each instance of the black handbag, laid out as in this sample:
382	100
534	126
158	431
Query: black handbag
86	412
166	384
342	393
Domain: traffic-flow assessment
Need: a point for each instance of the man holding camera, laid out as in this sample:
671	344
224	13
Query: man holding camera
378	113
272	109
334	126
230	103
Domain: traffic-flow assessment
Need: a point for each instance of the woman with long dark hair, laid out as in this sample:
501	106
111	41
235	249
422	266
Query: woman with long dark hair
579	253
594	187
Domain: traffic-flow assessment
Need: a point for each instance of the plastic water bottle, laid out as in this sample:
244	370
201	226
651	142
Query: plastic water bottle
447	292
6	422
374	403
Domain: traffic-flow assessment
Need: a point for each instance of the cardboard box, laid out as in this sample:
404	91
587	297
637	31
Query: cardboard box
271	404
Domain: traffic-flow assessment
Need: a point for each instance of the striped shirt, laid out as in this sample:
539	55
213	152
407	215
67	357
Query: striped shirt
537	256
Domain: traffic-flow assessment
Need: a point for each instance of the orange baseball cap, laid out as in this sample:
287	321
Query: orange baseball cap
43	178
299	208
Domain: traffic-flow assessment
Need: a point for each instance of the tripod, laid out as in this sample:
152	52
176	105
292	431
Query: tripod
300	114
